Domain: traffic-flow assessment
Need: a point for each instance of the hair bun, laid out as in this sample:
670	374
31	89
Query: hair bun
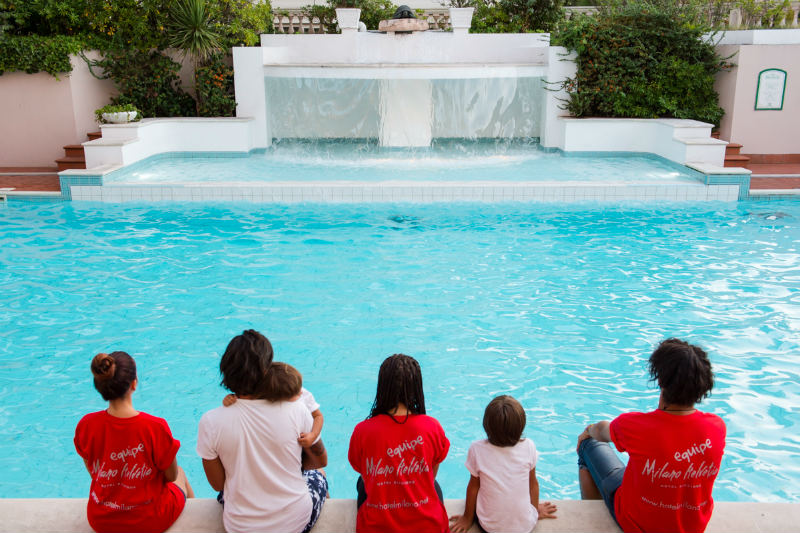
103	366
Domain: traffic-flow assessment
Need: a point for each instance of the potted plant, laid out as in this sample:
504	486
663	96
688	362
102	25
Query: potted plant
117	114
347	16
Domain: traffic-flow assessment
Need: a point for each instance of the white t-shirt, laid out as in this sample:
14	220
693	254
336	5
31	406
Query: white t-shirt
256	441
308	399
504	501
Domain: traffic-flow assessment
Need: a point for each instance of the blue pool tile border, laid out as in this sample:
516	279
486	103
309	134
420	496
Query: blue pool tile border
33	199
67	182
742	180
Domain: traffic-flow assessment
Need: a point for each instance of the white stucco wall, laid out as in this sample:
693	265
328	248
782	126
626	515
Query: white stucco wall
681	141
41	114
123	144
766	131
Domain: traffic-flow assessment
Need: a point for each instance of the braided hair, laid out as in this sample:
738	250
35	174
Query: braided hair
399	381
682	371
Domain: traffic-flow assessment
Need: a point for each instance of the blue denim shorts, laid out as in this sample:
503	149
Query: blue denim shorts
605	467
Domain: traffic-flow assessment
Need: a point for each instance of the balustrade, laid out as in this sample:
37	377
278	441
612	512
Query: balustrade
294	21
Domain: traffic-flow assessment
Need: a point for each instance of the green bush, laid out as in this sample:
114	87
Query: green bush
372	12
516	16
138	24
240	22
642	59
214	83
149	80
44	17
34	53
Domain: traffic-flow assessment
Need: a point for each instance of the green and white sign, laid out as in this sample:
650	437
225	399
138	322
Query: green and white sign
770	90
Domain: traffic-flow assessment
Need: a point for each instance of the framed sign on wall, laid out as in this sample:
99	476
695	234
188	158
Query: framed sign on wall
770	90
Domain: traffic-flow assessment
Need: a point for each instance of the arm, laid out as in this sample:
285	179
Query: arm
464	522
171	473
215	473
545	509
315	456
599	431
88	469
307	439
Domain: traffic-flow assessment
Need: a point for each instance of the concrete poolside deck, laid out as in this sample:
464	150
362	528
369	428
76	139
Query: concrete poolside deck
338	516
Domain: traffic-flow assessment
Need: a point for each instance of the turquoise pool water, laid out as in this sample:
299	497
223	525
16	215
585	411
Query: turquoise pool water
446	160
558	305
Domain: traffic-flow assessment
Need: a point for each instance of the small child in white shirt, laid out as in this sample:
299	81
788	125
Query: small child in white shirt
282	383
503	492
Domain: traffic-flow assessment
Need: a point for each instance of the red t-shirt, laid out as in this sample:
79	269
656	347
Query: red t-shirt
127	458
673	463
396	461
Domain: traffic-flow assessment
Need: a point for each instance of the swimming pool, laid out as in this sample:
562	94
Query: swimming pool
558	305
365	162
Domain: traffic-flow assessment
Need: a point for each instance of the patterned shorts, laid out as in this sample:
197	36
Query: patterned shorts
318	488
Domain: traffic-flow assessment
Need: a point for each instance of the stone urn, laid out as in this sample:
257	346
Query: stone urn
347	18
461	19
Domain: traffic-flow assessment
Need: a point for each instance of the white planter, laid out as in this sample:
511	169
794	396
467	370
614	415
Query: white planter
347	19
121	117
461	19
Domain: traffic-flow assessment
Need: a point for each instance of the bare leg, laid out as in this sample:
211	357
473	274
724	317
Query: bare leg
588	488
183	483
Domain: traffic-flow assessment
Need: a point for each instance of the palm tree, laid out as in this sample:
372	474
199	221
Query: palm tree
191	31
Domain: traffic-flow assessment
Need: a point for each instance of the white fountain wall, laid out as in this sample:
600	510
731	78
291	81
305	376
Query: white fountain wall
404	112
487	108
323	108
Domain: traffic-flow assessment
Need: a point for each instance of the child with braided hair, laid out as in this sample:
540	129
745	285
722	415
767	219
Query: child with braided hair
397	452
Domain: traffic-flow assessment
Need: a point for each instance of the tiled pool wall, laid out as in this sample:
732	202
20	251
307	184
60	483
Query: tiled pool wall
729	188
432	192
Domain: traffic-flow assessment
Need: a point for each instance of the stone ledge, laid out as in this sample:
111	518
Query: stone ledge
338	516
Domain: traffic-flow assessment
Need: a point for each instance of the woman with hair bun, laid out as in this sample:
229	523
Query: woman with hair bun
675	451
137	484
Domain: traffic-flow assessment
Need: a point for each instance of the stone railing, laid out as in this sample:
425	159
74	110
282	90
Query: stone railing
739	19
294	21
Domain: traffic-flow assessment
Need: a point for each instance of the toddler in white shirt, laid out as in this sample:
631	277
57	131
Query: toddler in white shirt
281	384
503	492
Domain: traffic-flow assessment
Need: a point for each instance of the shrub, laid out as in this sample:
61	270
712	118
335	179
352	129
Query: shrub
516	16
44	17
34	53
642	59
149	80
214	83
139	24
240	22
